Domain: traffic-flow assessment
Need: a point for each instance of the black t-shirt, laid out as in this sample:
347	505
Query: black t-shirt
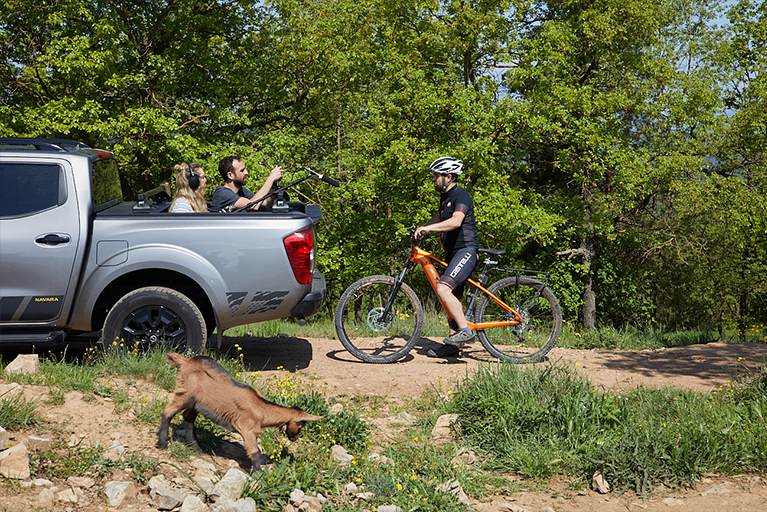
223	198
458	199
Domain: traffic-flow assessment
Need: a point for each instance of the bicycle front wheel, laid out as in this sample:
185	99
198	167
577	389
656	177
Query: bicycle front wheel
366	332
541	325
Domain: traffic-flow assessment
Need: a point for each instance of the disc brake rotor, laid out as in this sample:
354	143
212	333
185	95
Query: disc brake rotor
374	320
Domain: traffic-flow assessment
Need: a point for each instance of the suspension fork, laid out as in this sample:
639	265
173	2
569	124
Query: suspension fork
397	285
417	255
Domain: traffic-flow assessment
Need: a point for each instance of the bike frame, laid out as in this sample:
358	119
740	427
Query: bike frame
425	259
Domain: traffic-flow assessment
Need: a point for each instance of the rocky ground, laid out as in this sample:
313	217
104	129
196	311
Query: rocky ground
95	422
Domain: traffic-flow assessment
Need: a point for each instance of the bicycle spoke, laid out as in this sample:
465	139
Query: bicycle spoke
367	331
541	322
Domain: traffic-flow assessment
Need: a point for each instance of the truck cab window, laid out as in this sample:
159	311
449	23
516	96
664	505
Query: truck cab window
30	188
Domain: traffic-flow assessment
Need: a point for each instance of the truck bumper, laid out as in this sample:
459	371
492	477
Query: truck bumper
313	300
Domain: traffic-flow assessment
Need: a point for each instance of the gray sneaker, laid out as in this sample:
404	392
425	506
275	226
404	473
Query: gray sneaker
463	336
444	351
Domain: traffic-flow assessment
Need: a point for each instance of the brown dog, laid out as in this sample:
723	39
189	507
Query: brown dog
204	387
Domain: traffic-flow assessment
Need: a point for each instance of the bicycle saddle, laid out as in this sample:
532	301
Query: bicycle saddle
494	252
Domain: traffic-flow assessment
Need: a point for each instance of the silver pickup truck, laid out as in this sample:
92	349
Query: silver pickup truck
75	258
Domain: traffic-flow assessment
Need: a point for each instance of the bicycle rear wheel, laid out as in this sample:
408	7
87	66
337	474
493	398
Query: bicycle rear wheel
541	320
362	329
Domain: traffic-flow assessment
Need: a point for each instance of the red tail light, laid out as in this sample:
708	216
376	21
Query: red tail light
299	248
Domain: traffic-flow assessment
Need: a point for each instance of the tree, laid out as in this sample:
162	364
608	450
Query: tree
720	232
607	117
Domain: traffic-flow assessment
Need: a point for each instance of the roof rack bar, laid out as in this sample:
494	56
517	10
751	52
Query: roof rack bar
43	144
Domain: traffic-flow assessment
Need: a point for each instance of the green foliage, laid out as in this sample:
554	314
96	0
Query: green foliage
629	132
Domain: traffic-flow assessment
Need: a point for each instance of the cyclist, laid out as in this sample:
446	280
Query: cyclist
455	222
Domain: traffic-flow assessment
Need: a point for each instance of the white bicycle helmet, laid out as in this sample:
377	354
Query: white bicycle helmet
446	165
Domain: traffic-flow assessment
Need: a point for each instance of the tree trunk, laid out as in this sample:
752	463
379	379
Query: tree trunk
589	296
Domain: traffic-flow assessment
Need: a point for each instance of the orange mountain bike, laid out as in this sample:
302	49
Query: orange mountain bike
517	318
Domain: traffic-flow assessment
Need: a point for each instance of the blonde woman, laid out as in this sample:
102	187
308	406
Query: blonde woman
190	189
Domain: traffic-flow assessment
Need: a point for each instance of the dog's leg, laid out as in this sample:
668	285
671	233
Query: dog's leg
175	406
191	434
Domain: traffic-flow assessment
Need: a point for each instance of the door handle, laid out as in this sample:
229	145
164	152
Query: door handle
52	239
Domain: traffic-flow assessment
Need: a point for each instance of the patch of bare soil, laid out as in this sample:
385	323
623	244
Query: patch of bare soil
88	419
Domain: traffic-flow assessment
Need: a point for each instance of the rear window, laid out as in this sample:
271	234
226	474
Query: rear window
30	188
106	183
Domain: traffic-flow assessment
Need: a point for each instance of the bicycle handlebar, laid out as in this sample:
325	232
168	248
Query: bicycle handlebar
415	240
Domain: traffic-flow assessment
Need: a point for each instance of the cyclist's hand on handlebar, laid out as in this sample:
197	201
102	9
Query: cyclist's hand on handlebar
420	232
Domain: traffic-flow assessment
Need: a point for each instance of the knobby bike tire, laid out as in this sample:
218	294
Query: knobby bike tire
527	342
362	331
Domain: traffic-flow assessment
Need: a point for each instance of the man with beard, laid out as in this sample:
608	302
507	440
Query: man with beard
455	223
233	194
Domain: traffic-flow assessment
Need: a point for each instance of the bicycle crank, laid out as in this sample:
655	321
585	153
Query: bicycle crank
524	325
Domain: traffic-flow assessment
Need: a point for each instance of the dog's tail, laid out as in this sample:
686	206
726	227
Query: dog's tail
174	359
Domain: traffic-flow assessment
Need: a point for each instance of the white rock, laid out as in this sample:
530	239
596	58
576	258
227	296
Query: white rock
336	408
246	505
39	444
442	433
46	499
230	486
14	462
37	482
227	505
24	363
341	455
200	464
81	481
310	504
193	503
162	496
67	496
119	492
297	496
117	446
599	484
5	438
10	391
388	508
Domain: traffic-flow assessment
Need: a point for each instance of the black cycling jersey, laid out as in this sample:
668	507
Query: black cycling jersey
458	199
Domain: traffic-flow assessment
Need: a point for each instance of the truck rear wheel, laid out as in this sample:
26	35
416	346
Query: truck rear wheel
154	316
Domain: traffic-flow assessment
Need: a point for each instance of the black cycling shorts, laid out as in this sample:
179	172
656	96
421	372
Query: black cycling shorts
459	269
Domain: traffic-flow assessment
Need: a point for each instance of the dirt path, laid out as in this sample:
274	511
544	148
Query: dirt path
697	367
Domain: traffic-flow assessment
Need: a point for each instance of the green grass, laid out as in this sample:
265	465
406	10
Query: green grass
63	463
629	338
16	414
573	336
544	420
